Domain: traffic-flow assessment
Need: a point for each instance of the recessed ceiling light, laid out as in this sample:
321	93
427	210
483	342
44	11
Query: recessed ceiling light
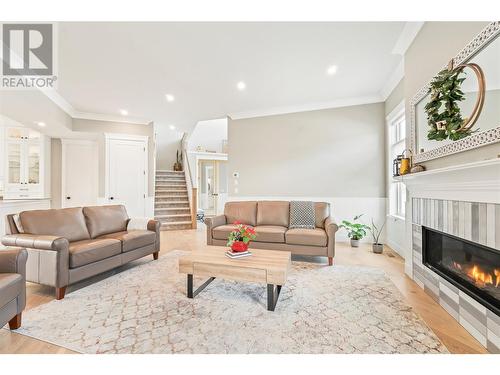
170	98
241	85
172	127
123	112
331	70
40	124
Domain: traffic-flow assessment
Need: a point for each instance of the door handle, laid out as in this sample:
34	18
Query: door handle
68	197
111	198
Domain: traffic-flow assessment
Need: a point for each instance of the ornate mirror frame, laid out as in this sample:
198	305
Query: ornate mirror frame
473	141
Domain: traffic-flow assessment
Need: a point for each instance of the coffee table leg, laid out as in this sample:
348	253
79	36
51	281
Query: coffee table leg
190	292
273	293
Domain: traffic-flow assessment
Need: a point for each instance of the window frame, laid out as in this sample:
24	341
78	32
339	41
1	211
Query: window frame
395	122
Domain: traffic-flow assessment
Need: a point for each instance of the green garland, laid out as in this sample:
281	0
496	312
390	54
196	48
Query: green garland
445	93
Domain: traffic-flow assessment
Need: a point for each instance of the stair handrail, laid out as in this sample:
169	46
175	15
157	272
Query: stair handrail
190	183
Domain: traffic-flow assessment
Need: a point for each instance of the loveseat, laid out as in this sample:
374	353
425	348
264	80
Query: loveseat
12	286
271	220
71	244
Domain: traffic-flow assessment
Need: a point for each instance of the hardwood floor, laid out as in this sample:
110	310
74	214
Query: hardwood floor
451	333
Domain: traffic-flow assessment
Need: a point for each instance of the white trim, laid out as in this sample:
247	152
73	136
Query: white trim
407	36
73	113
396	112
396	76
64	143
126	137
346	102
110	118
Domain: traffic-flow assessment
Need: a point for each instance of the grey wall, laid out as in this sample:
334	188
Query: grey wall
434	46
326	153
167	143
395	97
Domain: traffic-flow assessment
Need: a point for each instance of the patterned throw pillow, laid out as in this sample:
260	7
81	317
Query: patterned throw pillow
302	215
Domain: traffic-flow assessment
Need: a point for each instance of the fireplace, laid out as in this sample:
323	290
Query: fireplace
472	267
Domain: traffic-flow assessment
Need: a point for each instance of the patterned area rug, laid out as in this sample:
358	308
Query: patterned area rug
340	309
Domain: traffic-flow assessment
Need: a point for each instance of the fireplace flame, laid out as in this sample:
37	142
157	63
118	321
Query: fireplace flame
480	277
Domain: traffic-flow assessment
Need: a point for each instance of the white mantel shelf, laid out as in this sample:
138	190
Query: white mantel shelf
477	182
491	164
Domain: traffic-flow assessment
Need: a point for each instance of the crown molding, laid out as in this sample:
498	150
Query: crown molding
409	33
396	76
346	102
62	103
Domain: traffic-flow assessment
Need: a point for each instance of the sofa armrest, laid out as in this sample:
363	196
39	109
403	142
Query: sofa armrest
55	244
154	226
34	241
13	260
331	227
213	222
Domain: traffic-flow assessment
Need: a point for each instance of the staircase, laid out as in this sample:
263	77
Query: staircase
171	201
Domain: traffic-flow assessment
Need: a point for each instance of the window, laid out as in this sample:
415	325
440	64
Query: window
397	144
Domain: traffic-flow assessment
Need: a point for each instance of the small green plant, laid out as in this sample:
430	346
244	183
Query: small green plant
376	232
355	231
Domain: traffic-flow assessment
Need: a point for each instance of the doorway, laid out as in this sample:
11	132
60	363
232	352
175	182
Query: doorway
127	173
212	186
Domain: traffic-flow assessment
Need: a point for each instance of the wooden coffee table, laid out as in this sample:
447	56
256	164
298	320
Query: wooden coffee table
263	266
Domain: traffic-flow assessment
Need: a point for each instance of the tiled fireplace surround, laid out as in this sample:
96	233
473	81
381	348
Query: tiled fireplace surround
441	207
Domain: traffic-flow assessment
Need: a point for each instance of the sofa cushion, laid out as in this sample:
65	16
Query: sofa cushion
90	251
105	219
273	213
322	210
270	233
67	222
309	237
11	285
244	212
134	239
222	232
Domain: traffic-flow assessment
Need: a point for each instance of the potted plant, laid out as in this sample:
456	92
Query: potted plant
377	247
240	237
178	163
355	231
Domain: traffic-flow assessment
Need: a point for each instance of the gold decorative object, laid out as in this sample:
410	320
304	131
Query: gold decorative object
478	106
405	162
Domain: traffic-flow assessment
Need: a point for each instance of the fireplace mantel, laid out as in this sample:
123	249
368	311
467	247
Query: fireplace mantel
476	181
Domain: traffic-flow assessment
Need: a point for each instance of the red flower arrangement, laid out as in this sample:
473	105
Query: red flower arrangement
240	237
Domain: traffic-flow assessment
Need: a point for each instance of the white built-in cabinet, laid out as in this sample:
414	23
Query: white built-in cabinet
26	172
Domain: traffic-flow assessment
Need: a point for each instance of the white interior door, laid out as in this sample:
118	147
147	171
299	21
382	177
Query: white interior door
79	173
127	171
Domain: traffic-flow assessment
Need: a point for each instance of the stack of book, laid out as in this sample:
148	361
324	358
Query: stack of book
235	255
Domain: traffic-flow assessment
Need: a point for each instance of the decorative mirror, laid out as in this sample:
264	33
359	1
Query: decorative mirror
460	108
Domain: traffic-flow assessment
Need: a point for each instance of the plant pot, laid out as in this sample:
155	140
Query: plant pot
177	167
354	243
239	246
378	248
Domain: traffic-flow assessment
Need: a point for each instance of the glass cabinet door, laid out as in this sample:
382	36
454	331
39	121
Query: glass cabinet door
33	163
13	163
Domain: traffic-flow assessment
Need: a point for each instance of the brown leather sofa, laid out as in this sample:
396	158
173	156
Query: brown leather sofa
271	221
12	286
68	245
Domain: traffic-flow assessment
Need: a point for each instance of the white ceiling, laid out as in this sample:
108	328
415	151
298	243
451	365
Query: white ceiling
105	67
